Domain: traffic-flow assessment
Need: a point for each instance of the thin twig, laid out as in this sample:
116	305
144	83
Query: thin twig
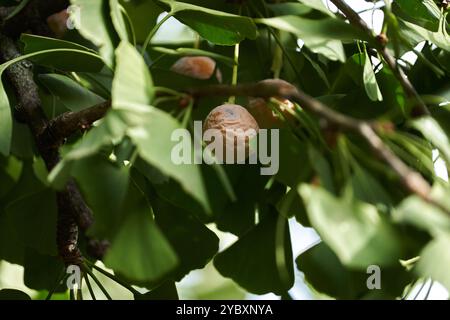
410	179
356	20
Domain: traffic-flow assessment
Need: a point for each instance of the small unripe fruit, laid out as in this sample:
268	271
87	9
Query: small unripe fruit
237	121
195	67
58	23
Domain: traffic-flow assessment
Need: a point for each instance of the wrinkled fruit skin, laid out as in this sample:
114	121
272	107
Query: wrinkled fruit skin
195	67
58	23
231	117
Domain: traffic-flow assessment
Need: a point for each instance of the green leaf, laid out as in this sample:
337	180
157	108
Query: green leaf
215	26
322	167
432	131
238	216
74	96
195	52
292	152
322	36
96	26
317	5
110	131
155	146
355	231
440	38
132	86
255	261
31	209
139	251
5	111
435	259
5	120
12	244
41	271
13	294
289	8
143	15
324	271
370	80
104	186
368	189
292	205
184	232
424	13
413	210
75	57
118	19
149	128
10	170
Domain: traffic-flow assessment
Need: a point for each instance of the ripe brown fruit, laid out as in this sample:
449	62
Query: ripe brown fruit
195	67
58	23
265	116
232	117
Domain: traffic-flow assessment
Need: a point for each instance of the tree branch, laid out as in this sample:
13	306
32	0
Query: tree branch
68	123
420	108
410	179
72	210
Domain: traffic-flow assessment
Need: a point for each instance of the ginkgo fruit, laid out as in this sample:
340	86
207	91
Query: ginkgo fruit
266	116
236	126
58	23
197	67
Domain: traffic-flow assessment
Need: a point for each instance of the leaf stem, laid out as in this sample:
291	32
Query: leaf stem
279	43
88	284
112	277
168	91
61	277
420	289
79	293
99	284
187	115
130	23
234	78
154	30
429	290
71	294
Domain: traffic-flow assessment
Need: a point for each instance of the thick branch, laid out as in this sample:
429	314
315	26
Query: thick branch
355	19
410	179
71	207
68	123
